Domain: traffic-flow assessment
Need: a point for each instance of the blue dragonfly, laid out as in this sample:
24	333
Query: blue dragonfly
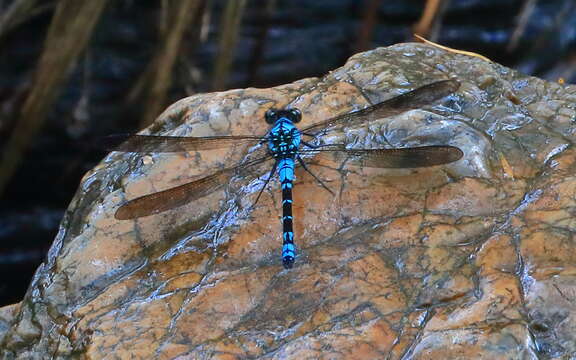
286	147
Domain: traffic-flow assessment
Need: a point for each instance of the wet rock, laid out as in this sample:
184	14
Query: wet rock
469	260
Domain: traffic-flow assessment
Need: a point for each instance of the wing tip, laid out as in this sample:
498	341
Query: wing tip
123	214
457	153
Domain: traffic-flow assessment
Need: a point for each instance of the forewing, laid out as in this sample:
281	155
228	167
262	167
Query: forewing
154	143
414	99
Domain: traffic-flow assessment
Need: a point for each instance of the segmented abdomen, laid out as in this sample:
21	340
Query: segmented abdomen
286	173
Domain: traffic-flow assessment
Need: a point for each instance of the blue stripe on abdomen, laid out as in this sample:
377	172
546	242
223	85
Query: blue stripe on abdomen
286	170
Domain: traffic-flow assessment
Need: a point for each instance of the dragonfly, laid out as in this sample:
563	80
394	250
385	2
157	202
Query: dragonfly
286	144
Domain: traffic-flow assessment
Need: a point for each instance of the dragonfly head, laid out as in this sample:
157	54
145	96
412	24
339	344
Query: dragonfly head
273	115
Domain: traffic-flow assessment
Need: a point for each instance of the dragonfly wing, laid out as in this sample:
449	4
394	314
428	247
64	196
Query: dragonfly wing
402	158
154	143
179	195
414	99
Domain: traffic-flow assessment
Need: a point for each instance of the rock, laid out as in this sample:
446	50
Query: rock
472	260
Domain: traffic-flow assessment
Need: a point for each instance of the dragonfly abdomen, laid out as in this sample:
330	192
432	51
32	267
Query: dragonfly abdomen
286	174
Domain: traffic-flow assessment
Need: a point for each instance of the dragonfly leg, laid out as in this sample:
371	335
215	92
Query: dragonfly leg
311	146
313	175
309	134
263	140
272	172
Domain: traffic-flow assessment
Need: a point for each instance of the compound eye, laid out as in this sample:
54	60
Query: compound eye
296	115
270	116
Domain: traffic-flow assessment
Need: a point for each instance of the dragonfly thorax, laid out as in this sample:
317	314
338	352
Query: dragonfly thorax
283	139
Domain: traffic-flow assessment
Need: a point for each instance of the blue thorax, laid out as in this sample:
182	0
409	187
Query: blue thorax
284	139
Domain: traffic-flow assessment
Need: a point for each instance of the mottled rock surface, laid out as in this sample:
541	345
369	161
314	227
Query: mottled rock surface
472	260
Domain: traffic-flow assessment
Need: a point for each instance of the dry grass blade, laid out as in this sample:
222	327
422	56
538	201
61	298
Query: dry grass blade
266	14
428	24
17	13
456	51
227	42
521	23
68	34
158	76
369	20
